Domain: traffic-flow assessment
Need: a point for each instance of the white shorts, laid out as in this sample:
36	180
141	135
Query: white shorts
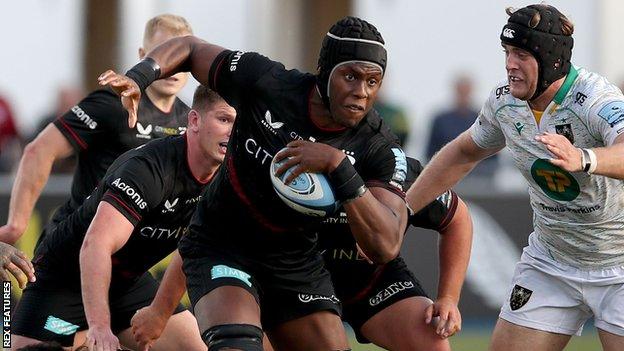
551	296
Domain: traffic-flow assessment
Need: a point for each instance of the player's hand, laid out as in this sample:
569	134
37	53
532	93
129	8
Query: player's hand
15	262
566	155
147	326
127	89
102	339
449	321
308	157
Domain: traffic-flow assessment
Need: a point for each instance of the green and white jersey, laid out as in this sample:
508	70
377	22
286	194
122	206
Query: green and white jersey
578	218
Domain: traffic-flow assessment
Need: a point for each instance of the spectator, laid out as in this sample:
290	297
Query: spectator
394	116
450	123
10	140
66	98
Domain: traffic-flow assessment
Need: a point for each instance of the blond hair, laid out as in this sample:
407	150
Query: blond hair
172	24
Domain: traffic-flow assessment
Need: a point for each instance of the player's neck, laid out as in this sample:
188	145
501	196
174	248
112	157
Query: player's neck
542	101
163	102
202	166
320	115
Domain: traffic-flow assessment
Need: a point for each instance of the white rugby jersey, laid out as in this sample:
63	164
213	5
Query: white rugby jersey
578	218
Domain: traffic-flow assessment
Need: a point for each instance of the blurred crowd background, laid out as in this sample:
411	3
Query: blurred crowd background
443	58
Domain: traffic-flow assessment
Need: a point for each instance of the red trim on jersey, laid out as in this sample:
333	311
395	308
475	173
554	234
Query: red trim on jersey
236	185
364	292
385	185
73	134
330	130
217	70
123	204
451	212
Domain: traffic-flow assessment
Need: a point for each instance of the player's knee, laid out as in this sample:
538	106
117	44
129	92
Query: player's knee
243	337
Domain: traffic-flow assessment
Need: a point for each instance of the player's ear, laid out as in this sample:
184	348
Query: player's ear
141	53
193	120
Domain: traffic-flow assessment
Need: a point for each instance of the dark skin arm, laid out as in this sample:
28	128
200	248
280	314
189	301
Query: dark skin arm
377	219
181	54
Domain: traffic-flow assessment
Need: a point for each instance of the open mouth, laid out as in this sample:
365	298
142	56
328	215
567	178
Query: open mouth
354	108
223	146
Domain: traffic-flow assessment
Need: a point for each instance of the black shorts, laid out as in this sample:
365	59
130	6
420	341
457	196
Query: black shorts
395	282
283	294
49	311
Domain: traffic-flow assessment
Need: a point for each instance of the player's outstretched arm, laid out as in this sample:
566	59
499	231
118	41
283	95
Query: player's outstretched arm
16	263
108	232
446	169
149	322
455	246
32	175
180	54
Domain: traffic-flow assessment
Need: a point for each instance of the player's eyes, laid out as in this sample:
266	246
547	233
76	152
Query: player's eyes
349	76
372	82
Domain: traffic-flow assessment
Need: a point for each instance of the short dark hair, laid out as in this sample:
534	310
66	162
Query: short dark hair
205	98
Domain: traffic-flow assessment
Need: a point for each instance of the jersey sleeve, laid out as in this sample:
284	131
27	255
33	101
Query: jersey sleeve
134	189
486	131
386	168
97	116
606	118
437	214
234	74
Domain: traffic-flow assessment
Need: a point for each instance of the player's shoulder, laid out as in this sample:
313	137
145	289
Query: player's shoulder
161	155
500	95
592	91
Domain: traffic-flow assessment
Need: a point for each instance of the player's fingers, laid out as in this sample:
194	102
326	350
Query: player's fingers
286	165
24	265
106	74
555	151
4	275
18	274
23	256
443	323
285	153
295	173
429	314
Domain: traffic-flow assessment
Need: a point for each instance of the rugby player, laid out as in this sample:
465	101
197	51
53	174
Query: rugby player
93	268
96	130
385	304
251	261
564	127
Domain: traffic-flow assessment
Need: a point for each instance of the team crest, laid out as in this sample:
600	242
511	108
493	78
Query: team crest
519	297
566	131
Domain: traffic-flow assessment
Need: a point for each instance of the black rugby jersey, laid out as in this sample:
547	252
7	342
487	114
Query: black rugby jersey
351	272
240	208
153	187
97	128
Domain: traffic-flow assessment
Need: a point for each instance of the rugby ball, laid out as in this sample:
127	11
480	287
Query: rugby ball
309	193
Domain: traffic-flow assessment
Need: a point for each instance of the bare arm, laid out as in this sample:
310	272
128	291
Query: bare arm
181	54
446	169
108	232
32	175
149	322
454	249
377	221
